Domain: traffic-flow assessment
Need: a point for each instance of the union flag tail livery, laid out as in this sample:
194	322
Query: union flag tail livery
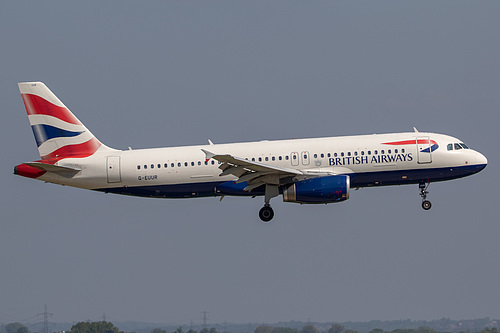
58	133
306	171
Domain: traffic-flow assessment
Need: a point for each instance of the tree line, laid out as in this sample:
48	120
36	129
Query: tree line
108	327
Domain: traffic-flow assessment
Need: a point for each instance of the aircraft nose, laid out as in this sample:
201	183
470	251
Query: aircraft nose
481	159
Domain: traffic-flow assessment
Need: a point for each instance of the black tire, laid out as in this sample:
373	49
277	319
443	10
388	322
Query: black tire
266	214
426	205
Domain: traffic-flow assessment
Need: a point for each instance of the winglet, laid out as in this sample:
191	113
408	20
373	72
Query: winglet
208	155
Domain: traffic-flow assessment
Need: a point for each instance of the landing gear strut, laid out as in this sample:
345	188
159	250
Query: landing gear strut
426	204
266	213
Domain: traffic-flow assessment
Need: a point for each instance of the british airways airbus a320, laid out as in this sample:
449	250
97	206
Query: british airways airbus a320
306	171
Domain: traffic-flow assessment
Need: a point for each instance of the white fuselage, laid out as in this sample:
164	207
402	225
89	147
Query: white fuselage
369	160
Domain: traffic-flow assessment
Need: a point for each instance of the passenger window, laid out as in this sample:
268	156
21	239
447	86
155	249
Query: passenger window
342	154
348	153
145	166
159	166
328	155
362	152
457	146
382	152
322	155
253	159
166	165
273	158
260	159
305	156
172	165
179	164
280	158
335	155
402	151
395	151
294	157
199	162
213	162
389	151
315	155
192	163
138	167
286	157
369	152
267	158
355	153
152	166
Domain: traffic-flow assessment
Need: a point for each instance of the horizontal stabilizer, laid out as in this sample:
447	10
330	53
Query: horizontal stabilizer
53	168
37	169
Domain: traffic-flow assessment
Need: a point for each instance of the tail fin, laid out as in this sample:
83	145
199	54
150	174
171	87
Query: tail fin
58	133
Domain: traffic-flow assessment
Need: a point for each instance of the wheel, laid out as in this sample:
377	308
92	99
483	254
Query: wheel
266	213
426	204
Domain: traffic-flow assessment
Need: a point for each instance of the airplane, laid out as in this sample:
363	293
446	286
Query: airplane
305	171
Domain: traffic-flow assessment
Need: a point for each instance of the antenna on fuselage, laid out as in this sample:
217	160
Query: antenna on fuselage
415	129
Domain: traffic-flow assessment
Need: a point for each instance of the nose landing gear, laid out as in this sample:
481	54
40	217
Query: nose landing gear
426	204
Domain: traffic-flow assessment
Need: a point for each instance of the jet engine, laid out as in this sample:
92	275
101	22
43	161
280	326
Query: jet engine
318	190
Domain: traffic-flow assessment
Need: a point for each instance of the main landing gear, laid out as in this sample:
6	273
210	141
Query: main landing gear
426	204
266	213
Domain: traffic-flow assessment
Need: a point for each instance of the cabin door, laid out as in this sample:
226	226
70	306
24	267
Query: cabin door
113	169
424	154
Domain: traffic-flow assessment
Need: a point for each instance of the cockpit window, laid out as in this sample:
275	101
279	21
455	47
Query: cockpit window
457	146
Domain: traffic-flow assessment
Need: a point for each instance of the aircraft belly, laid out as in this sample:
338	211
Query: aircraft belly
187	190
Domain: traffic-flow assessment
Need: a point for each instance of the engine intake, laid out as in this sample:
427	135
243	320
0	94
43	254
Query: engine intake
318	190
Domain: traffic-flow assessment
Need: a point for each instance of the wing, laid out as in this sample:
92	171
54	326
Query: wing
256	174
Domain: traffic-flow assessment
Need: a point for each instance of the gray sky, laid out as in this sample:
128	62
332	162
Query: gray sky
151	74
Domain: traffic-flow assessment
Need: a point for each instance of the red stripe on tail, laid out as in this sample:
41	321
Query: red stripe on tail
73	151
37	105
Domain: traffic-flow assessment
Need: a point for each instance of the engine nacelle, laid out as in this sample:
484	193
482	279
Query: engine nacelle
318	190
